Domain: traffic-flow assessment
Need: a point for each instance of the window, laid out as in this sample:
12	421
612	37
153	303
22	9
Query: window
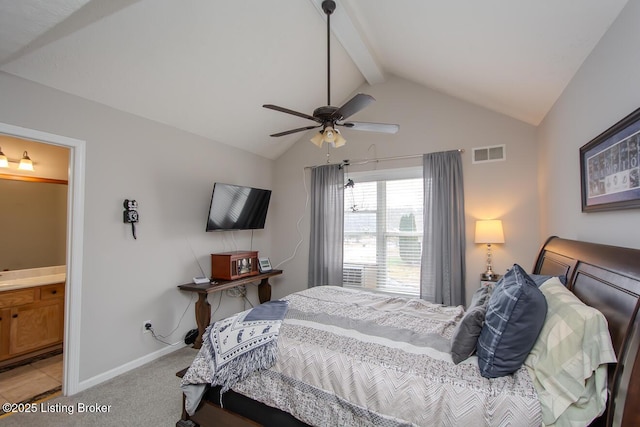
383	230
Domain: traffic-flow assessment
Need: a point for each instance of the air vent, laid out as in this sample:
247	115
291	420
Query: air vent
495	153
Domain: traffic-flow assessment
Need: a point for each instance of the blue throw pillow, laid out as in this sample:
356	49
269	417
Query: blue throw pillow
515	314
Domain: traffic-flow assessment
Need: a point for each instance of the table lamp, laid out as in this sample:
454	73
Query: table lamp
489	231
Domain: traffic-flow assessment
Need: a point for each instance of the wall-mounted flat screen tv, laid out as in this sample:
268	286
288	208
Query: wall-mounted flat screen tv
234	207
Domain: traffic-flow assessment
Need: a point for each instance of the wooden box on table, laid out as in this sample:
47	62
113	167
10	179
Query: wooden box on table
234	265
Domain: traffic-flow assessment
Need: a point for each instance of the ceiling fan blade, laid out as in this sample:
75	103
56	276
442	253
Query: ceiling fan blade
286	110
352	106
372	127
287	132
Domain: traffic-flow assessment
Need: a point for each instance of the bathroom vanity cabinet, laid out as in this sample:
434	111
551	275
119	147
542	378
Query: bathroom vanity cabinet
31	321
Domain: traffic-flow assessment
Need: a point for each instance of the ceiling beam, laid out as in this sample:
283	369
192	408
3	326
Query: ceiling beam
350	38
86	14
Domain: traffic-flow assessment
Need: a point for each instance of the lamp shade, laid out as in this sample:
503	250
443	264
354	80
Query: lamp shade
25	163
340	141
317	139
4	162
489	231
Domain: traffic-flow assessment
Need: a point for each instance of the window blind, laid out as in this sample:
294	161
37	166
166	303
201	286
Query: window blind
383	224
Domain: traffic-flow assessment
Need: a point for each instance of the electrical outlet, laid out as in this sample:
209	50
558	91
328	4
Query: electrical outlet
146	329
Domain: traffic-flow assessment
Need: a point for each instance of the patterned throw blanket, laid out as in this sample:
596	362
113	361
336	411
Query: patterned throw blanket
237	346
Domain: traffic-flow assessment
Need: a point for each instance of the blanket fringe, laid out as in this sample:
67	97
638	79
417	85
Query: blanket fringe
262	357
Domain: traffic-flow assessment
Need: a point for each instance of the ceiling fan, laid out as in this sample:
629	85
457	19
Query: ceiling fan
328	116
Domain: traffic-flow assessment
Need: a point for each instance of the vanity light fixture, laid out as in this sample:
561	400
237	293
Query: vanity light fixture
489	231
25	163
4	162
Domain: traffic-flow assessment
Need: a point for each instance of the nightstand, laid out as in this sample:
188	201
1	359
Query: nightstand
489	282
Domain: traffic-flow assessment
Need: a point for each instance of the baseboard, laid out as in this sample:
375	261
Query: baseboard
98	379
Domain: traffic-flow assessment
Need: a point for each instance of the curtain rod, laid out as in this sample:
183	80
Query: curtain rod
365	161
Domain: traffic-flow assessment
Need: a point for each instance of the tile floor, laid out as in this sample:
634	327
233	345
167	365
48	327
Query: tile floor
28	381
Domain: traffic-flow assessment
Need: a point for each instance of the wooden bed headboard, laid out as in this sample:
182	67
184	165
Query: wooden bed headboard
608	279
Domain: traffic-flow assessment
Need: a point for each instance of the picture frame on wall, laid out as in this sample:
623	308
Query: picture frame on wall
610	167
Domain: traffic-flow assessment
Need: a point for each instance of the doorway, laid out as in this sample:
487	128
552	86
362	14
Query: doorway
74	239
33	211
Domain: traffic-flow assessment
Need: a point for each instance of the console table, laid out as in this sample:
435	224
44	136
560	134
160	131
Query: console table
203	308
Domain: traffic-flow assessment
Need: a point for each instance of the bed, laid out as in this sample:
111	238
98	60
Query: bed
604	277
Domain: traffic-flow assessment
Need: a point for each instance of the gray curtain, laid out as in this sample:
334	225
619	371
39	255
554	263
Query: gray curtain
442	274
327	218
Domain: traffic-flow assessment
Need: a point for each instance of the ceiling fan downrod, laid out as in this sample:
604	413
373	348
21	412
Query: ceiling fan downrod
328	6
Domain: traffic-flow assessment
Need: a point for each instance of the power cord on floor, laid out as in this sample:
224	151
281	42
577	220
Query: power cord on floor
156	337
161	338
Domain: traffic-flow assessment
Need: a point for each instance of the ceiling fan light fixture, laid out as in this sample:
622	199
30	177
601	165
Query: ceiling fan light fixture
339	140
330	136
318	139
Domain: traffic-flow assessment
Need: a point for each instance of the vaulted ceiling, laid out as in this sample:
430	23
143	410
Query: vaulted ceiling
208	66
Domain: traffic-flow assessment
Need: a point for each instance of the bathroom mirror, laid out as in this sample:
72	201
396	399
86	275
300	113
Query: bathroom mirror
33	222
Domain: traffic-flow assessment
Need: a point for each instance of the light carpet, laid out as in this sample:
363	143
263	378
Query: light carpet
146	396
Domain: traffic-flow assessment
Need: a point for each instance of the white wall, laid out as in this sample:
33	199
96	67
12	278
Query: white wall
602	92
429	122
171	174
